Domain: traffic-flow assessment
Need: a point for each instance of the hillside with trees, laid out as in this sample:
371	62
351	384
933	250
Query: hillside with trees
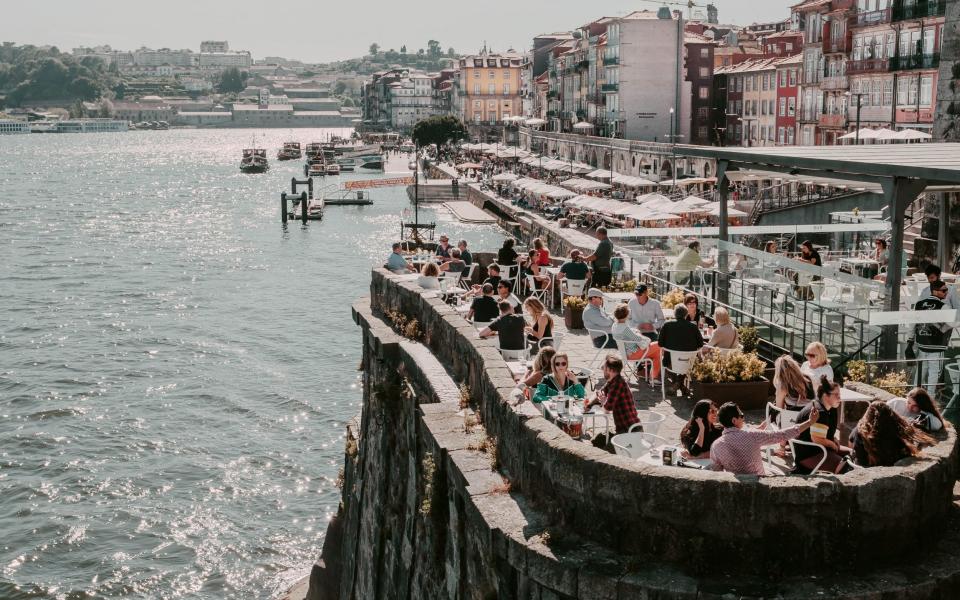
430	58
31	74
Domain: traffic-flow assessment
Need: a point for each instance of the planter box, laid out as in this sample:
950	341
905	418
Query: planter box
751	395
573	319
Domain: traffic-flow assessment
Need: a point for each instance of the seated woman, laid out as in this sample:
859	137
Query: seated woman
701	430
817	364
542	325
559	381
919	409
694	313
635	344
543	253
429	277
823	432
529	267
725	336
541	366
506	255
793	389
882	437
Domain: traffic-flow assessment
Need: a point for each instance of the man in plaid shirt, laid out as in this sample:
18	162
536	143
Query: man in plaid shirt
616	396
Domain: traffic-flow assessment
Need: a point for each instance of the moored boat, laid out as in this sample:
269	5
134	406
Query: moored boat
254	161
290	151
333	169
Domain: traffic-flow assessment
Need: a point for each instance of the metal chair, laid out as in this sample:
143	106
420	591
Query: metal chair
777	419
634	445
650	421
633	365
679	365
793	448
572	287
466	278
596	333
534	292
555	340
513	354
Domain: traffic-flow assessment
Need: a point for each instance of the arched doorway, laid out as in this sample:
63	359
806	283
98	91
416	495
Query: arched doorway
666	170
706	170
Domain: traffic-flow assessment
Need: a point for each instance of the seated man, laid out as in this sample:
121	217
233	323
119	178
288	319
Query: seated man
596	319
574	268
510	328
738	449
646	313
484	308
680	335
455	264
616	396
465	254
397	263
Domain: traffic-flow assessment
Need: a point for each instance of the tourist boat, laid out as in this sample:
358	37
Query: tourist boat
254	161
333	169
314	150
290	151
317	169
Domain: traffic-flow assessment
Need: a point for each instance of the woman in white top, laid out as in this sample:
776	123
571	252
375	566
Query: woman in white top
429	277
918	408
817	365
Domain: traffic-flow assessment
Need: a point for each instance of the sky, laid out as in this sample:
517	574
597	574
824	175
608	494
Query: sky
325	30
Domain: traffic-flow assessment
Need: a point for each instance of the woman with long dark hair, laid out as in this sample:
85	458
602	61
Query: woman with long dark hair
823	432
918	408
882	437
701	430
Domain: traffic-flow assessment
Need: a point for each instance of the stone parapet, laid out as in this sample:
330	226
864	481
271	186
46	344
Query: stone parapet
704	522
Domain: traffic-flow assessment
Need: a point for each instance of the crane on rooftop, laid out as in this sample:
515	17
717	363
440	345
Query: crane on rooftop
690	4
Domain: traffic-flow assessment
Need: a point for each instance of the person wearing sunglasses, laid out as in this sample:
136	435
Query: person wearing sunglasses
739	449
817	364
559	381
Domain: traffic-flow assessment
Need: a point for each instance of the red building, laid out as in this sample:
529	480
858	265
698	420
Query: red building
788	99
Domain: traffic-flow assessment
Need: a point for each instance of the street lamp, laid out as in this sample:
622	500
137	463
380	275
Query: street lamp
859	97
673	142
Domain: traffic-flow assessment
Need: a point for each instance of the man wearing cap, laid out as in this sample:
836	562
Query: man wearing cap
645	313
595	318
443	248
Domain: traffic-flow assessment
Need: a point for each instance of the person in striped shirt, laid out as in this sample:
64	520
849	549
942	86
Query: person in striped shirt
738	449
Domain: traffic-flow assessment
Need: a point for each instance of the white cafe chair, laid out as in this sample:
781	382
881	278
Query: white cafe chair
635	445
778	419
481	325
650	421
466	278
555	340
680	365
510	273
539	294
633	365
793	449
513	354
605	335
572	287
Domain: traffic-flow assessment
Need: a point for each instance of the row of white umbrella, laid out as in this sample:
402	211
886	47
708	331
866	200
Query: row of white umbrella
887	135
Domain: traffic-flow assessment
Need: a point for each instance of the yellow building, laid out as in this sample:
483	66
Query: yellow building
489	88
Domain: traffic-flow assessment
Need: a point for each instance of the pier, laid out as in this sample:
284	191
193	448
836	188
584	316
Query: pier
468	213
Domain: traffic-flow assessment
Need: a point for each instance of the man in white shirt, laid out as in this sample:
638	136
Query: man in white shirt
645	313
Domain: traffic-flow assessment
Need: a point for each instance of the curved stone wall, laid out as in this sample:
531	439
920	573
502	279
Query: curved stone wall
705	522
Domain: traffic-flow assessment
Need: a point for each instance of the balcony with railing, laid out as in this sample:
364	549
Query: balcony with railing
836	82
904	11
609	61
833	121
868	65
915	61
873	17
843	44
610	87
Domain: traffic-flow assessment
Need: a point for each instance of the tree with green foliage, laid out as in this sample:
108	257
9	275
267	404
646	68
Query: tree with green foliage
32	74
433	48
438	131
374	49
232	80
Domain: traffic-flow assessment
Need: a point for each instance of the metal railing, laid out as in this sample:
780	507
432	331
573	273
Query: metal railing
915	61
903	11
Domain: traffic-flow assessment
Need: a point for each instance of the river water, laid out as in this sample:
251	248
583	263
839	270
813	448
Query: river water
175	367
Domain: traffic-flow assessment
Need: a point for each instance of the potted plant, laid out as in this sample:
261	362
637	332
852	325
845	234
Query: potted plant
672	298
573	311
731	377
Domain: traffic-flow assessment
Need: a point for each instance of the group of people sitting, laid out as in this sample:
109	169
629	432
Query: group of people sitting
446	259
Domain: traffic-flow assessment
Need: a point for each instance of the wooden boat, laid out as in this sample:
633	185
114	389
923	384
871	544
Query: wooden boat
254	161
290	151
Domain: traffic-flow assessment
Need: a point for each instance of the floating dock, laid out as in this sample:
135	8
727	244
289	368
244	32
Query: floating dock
468	213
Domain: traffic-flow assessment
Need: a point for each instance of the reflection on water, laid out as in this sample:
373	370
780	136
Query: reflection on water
175	366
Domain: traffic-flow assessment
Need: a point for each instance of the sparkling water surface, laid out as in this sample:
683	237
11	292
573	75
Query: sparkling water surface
175	367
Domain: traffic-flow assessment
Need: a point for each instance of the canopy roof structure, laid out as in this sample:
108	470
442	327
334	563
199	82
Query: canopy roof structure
903	171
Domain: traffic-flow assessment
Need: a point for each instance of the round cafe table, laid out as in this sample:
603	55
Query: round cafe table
657	461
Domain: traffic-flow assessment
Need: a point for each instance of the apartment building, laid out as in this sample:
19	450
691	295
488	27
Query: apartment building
488	87
809	17
894	62
788	98
698	67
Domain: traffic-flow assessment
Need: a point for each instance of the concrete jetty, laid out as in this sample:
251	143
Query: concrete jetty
468	213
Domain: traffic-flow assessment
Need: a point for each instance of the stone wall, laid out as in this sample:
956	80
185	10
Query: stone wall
830	522
424	515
